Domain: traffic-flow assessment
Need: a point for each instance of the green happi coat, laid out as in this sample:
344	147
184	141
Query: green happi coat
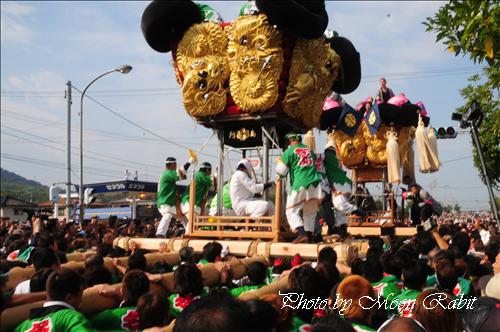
203	184
167	192
118	319
55	319
405	302
300	162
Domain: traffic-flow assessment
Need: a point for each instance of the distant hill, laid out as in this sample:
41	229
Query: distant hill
17	186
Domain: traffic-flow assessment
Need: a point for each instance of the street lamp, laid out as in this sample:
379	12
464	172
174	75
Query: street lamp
124	69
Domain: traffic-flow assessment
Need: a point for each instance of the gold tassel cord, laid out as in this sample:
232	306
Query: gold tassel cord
393	162
433	149
425	158
310	140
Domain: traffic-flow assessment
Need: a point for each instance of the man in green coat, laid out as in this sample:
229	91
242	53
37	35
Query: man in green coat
59	313
167	193
305	187
204	182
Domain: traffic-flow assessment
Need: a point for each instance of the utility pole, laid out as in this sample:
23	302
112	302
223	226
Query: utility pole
493	203
68	153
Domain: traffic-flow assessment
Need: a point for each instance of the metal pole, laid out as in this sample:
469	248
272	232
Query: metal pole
68	152
493	204
384	184
81	212
220	173
265	160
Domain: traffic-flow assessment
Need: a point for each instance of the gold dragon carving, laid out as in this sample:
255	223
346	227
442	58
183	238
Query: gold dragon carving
376	144
352	150
202	69
314	68
256	60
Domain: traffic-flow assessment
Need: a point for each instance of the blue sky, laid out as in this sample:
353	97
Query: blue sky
45	44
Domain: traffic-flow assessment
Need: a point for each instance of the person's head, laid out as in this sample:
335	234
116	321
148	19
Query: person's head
116	252
46	240
188	280
206	168
484	317
137	261
187	255
245	166
372	270
215	314
256	272
441	255
492	250
327	260
383	82
433	317
94	260
446	276
108	238
392	263
96	275
103	249
44	257
415	189
425	242
38	281
264	315
212	252
327	255
153	310
332	322
357	290
135	284
171	163
400	324
65	285
293	138
461	242
496	264
415	275
307	280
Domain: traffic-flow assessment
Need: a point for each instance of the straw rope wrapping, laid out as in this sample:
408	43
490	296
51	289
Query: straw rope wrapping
256	60
314	68
202	69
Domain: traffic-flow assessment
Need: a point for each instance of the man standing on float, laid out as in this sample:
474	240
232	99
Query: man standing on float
305	183
167	192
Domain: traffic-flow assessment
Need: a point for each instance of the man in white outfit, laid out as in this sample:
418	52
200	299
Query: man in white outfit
242	190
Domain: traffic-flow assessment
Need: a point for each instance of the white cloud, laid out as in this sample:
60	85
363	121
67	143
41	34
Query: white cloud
14	29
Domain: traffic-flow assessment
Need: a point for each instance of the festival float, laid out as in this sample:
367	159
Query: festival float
269	72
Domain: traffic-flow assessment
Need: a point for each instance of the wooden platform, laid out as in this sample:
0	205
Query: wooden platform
374	229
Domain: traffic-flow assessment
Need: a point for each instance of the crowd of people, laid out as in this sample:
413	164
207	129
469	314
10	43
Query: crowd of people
398	285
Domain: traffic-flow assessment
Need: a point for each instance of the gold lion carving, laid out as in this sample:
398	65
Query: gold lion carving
256	60
314	68
376	144
202	69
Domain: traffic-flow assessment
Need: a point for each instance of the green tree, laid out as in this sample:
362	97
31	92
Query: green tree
473	28
489	132
469	27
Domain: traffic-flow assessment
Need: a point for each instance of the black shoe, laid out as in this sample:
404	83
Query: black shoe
302	238
318	238
159	236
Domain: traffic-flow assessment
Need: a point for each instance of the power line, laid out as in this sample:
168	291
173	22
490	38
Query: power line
75	153
137	125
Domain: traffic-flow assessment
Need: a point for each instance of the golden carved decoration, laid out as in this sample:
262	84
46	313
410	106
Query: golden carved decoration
202	69
314	68
256	59
376	144
351	150
243	134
